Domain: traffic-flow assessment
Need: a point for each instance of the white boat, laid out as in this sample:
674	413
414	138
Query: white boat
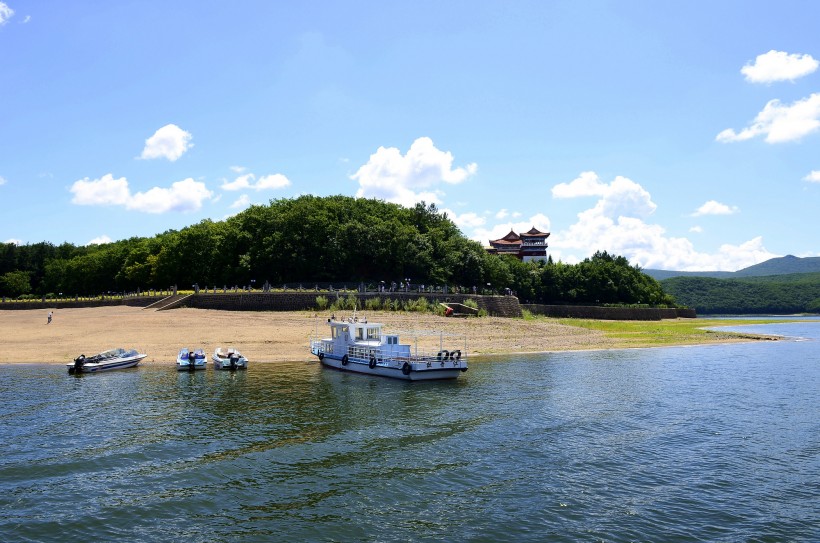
191	360
361	346
229	359
112	359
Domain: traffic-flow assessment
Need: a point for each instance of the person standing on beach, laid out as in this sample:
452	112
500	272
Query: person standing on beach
50	314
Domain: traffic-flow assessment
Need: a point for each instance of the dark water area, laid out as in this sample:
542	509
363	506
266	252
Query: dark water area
713	443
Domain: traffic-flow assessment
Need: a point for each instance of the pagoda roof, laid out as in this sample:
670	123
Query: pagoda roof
510	238
534	232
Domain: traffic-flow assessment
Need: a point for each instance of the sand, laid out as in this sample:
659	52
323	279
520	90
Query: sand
265	336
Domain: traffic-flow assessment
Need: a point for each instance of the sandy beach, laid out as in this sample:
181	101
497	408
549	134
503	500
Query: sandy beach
27	337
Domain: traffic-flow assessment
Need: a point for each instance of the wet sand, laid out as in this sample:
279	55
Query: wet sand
265	336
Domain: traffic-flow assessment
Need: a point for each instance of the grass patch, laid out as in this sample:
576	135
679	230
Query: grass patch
670	332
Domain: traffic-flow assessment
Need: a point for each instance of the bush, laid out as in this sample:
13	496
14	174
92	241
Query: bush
321	302
469	302
351	302
418	305
373	304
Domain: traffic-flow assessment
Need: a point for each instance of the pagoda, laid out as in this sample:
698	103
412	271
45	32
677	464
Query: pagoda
530	245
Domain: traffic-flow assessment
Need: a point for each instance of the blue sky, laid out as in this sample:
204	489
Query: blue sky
681	135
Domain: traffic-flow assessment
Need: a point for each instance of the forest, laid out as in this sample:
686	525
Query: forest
775	294
313	240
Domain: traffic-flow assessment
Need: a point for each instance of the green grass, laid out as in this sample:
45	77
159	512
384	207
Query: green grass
670	332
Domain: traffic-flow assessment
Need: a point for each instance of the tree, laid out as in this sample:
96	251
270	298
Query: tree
15	283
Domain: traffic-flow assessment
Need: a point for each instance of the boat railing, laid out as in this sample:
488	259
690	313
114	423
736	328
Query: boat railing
386	356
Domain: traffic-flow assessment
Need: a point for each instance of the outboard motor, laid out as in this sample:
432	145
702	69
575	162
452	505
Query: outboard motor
78	365
191	360
234	360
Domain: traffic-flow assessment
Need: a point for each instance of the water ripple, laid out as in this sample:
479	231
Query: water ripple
696	444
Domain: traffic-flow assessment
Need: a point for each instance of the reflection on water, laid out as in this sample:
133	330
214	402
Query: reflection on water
703	443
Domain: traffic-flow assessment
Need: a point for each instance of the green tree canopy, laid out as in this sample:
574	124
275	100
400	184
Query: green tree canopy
314	239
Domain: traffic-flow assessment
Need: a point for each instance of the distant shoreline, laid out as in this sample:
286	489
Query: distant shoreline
266	336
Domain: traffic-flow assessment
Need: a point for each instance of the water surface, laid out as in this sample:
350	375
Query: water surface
713	443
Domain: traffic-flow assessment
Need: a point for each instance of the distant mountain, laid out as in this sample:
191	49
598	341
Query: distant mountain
660	275
776	266
782	266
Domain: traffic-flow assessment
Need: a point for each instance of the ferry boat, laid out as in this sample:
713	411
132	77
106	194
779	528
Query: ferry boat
191	360
361	346
112	359
229	359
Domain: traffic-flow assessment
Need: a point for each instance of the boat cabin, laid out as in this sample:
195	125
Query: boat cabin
362	339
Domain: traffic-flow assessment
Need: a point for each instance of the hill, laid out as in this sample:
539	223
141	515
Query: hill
788	264
770	294
311	241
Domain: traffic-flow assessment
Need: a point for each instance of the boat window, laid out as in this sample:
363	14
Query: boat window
373	333
338	331
359	333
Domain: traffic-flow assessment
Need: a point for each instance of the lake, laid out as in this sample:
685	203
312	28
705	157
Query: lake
713	443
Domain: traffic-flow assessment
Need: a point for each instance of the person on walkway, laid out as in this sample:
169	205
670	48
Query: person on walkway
50	314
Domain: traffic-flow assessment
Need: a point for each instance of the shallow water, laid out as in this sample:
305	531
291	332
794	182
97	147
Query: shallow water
716	443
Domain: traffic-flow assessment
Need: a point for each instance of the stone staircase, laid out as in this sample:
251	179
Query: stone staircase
169	302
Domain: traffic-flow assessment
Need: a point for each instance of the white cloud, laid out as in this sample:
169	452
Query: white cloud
465	220
241	203
621	197
696	229
186	195
713	207
616	223
275	181
6	13
411	178
502	214
169	142
238	169
103	191
779	66
249	181
813	177
586	184
240	183
99	240
26	19
14	241
3	180
780	123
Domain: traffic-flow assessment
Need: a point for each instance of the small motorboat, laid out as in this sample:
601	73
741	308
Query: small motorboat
229	359
112	359
191	360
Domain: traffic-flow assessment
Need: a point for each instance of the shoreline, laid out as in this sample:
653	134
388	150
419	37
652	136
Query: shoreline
265	336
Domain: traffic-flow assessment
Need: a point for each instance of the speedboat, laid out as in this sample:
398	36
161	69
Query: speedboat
360	346
190	359
229	359
112	359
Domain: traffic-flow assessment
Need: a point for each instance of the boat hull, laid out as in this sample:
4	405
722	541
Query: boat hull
191	360
396	369
225	364
97	367
184	365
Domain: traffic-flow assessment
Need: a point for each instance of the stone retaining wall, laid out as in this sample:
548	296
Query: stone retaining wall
140	301
502	306
609	313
